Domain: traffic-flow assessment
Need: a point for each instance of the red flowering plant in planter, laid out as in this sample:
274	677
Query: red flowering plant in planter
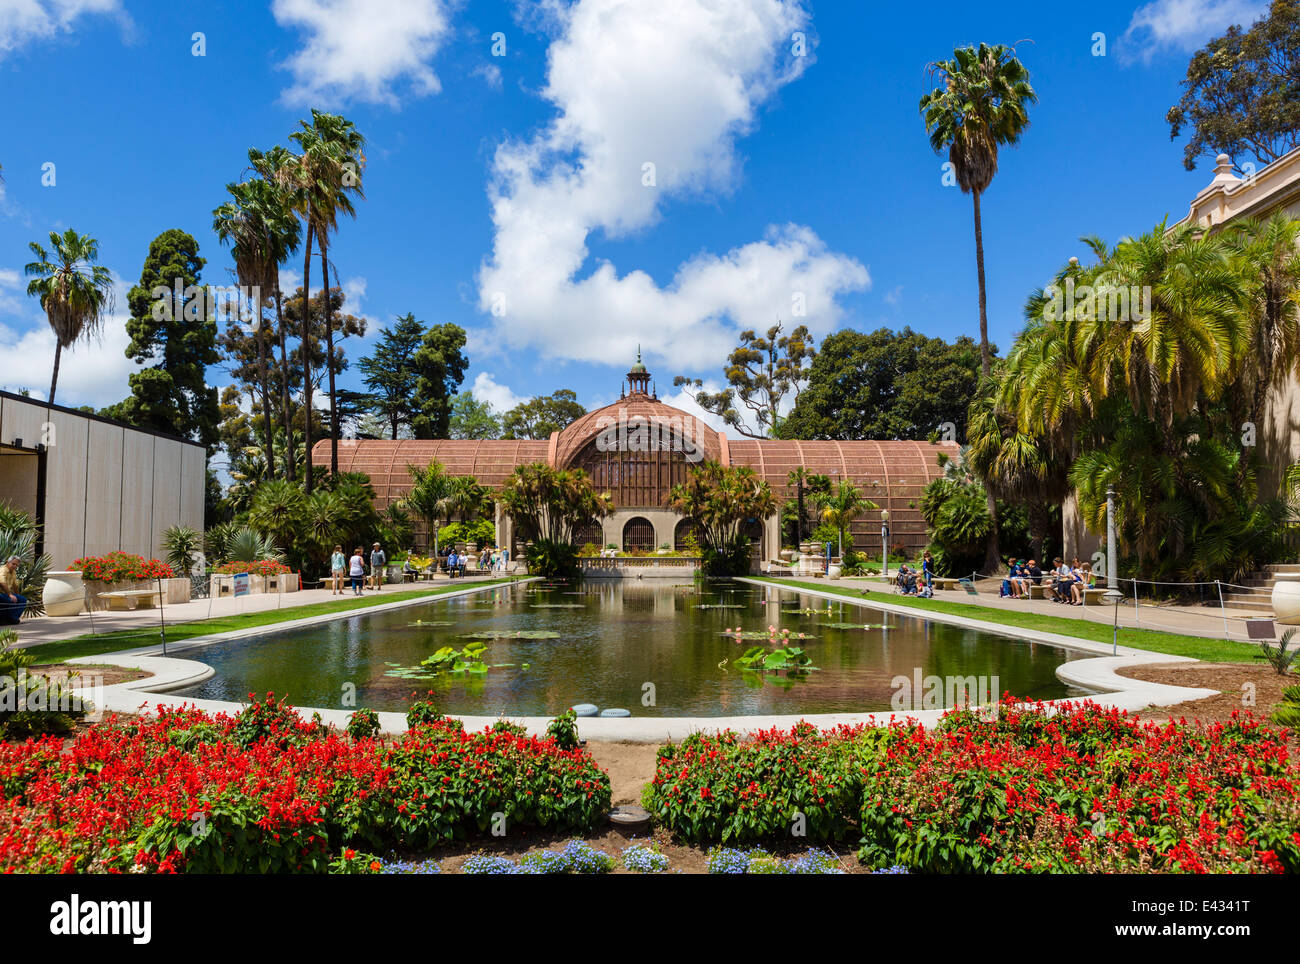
262	567
121	567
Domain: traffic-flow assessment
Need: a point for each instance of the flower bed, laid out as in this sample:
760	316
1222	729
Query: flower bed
263	567
121	567
1084	790
266	792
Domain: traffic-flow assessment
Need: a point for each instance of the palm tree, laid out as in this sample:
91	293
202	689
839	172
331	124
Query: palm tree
841	506
979	103
274	166
328	170
1268	255
75	292
258	225
430	489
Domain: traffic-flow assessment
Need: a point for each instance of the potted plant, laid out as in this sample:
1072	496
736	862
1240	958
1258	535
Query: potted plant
664	549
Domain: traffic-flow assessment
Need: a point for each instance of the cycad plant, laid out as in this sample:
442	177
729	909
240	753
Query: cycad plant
18	535
181	545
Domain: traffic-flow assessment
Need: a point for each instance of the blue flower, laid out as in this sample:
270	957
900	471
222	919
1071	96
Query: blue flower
644	860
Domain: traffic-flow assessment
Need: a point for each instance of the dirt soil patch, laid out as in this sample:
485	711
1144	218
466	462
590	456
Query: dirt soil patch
109	675
1238	685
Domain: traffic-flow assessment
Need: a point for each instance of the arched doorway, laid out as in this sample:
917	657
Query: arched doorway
638	535
685	536
592	534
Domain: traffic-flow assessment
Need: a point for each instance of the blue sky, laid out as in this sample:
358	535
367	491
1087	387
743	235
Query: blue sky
517	183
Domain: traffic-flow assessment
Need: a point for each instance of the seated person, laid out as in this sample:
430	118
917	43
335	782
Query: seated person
1077	584
1011	584
906	580
1033	576
12	602
408	567
1060	581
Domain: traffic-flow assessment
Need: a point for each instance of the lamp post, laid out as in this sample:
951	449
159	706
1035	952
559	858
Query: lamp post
884	541
1112	595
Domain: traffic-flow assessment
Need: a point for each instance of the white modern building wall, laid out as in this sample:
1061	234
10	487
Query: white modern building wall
96	485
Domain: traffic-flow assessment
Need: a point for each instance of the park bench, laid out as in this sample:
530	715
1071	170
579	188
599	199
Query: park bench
946	582
131	598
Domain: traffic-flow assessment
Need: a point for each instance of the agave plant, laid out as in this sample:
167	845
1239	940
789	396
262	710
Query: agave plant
18	533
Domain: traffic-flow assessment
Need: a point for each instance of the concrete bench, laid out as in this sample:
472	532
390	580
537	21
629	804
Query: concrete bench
946	582
131	598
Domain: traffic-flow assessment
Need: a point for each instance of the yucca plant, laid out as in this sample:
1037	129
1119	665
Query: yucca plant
181	544
1281	658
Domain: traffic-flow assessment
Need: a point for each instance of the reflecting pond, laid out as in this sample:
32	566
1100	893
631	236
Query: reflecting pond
656	650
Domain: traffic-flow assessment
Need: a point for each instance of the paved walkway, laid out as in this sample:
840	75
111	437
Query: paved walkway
1208	621
51	629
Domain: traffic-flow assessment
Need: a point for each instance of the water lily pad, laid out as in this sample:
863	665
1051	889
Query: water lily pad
720	606
422	623
759	634
854	625
513	634
557	606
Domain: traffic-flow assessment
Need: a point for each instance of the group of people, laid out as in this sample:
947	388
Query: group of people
913	582
354	569
1063	583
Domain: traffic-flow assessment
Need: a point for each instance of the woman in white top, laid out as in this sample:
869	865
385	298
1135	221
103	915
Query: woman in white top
357	570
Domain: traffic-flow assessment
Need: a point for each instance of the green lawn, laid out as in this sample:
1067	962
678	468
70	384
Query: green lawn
1175	644
88	645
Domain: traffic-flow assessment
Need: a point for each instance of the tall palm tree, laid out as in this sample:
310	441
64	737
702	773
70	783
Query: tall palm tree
256	225
978	103
329	170
274	167
75	292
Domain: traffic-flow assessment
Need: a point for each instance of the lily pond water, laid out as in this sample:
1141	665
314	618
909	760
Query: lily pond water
656	650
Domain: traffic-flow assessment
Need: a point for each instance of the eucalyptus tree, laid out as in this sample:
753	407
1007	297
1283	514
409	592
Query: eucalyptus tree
75	292
978	103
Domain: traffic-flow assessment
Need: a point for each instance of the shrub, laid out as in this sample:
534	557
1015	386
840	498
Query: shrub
363	725
564	730
506	726
266	792
554	560
1086	789
421	712
720	788
260	567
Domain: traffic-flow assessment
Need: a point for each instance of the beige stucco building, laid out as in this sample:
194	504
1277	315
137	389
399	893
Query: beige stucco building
96	485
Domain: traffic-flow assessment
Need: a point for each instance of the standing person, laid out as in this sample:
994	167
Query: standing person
338	566
451	564
927	572
377	562
12	602
357	570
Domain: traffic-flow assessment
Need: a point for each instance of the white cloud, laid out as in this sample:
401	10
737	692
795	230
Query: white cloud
490	73
356	50
500	397
23	21
90	373
1185	25
673	84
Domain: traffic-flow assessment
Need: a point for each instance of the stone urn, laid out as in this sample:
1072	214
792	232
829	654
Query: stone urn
64	593
833	571
1286	598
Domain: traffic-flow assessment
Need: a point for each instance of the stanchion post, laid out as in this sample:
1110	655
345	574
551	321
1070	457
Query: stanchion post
1223	612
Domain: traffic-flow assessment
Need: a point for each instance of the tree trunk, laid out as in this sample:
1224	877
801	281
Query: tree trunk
985	366
58	350
306	359
290	459
329	356
993	552
266	396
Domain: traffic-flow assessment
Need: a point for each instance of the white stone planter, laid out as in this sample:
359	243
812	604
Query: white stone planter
833	571
64	593
1286	598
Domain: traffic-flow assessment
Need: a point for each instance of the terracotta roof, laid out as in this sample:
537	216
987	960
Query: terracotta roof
490	460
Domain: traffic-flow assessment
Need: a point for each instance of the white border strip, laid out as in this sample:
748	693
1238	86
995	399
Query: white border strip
1096	674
